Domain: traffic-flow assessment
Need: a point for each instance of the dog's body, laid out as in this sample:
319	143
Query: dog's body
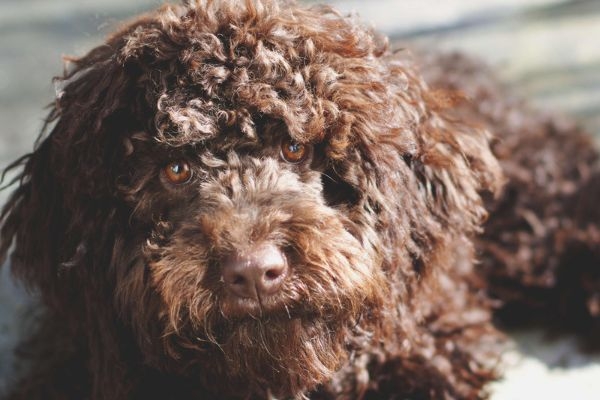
243	201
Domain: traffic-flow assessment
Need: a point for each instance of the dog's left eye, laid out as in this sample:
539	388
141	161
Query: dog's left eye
293	152
178	172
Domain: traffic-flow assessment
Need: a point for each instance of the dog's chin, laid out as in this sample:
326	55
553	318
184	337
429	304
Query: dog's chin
278	353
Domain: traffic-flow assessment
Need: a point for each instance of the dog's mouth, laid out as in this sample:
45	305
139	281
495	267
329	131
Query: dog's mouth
236	308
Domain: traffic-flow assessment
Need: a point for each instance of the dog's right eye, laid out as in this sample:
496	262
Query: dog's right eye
178	172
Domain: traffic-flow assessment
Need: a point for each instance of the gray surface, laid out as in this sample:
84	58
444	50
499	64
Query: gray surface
547	49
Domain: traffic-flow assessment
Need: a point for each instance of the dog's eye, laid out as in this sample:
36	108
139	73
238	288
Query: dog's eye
178	172
293	152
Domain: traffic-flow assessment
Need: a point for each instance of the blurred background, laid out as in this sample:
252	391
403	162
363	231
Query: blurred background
547	50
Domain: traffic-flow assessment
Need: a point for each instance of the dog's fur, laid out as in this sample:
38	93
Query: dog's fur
385	297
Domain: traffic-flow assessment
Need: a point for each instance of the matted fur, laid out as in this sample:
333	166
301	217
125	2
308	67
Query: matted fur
377	224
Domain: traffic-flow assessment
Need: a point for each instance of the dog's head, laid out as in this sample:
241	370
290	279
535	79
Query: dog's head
252	191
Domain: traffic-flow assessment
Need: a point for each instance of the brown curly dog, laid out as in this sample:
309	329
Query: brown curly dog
260	200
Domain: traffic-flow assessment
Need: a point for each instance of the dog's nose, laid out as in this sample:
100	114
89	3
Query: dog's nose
256	273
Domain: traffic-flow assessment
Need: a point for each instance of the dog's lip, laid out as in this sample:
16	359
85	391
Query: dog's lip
236	307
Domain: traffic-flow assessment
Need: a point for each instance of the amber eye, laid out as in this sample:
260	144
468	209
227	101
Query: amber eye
293	152
178	172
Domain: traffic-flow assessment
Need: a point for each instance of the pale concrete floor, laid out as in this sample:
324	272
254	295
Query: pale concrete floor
547	49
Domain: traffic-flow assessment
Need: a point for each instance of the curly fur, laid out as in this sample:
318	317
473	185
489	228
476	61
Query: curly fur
378	223
540	248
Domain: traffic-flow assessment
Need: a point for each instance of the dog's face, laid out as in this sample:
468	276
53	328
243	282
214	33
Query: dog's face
249	269
253	193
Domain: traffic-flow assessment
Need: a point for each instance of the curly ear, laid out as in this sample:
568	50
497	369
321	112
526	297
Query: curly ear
454	165
64	189
420	170
434	191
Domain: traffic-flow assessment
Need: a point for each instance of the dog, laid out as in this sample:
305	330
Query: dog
263	200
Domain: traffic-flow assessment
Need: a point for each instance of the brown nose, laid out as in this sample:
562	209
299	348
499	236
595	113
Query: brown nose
256	273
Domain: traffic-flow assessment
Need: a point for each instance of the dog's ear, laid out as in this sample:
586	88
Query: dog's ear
449	173
63	192
453	165
419	171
